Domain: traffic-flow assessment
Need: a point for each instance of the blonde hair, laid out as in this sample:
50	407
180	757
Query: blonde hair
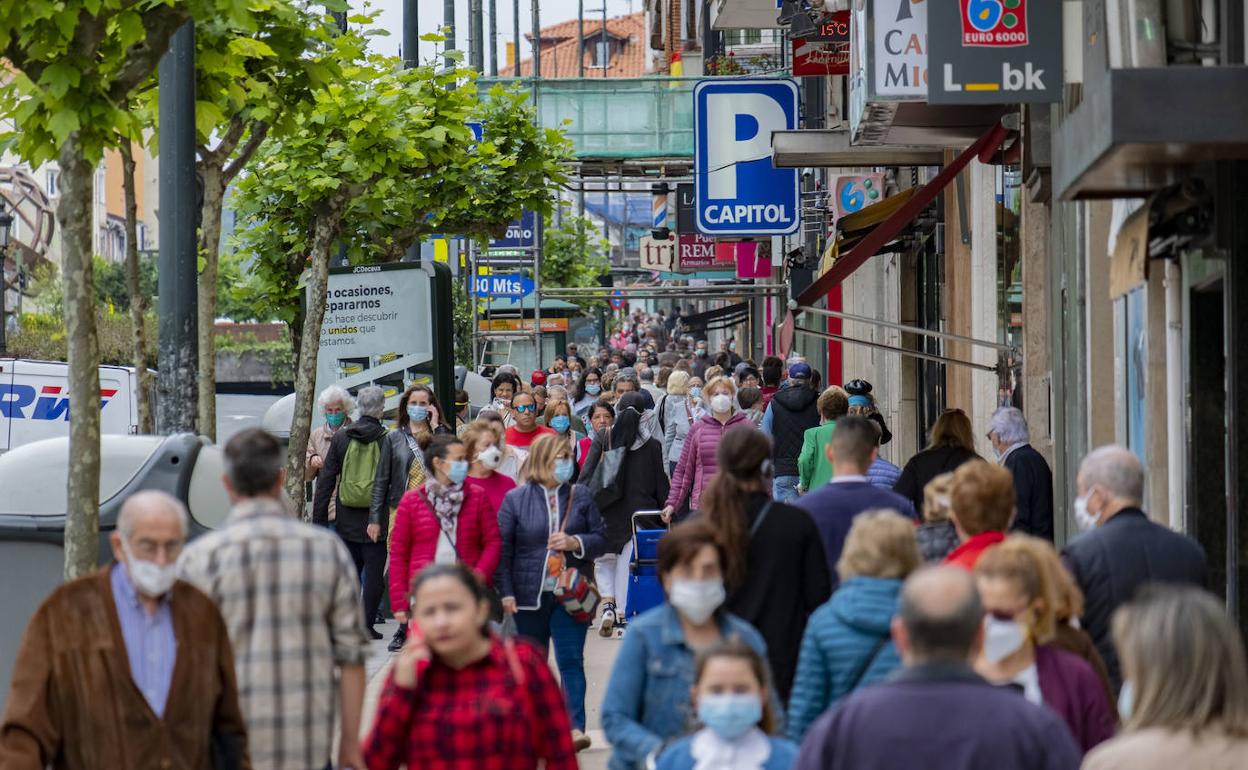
473	434
982	497
539	467
713	384
1067	596
1185	660
953	429
554	408
1016	558
880	543
936	498
678	383
712	372
832	402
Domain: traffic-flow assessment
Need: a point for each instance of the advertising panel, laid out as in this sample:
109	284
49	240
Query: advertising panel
995	52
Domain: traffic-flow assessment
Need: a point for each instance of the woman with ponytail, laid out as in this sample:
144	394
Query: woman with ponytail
776	571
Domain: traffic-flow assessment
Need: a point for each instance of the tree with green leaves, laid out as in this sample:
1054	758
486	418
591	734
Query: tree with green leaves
574	254
379	160
76	65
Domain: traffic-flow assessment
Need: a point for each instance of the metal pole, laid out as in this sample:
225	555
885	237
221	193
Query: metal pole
580	38
902	327
476	36
178	380
515	32
411	33
538	227
493	38
602	37
448	21
473	258
537	58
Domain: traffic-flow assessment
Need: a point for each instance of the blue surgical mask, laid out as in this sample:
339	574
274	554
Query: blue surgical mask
729	715
563	469
561	423
458	471
695	391
593	388
418	413
335	420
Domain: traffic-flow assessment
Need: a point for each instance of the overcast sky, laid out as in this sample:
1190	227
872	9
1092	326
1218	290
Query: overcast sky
430	19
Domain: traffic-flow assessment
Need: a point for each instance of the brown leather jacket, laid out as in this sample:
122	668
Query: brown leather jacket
73	705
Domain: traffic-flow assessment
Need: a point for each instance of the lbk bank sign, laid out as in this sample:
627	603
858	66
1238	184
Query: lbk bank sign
994	51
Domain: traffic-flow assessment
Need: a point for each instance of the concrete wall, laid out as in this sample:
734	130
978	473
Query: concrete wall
1037	362
985	315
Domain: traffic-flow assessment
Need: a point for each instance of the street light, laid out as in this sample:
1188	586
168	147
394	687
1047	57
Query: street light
6	223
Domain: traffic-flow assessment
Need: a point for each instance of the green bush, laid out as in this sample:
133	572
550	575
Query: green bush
41	336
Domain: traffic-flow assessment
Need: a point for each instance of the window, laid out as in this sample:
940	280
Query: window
54	183
601	48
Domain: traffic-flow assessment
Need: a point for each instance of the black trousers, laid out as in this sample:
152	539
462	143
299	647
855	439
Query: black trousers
370	565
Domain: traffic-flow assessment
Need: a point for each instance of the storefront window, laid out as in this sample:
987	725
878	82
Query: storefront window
1010	283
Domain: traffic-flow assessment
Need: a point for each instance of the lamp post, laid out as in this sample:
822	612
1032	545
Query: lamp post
6	224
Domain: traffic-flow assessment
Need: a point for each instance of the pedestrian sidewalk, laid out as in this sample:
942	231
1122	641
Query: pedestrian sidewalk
599	657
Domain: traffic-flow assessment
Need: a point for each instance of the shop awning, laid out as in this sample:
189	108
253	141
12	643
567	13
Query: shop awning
830	148
719	318
983	148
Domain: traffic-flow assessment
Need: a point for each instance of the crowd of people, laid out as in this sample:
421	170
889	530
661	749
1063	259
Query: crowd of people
813	604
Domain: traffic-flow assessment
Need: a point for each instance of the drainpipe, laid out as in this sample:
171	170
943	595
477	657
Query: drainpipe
1175	454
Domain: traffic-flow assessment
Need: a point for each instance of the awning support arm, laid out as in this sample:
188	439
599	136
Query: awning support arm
906	328
902	351
887	230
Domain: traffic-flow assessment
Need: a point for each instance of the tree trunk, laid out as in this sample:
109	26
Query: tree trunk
324	233
73	213
138	300
209	245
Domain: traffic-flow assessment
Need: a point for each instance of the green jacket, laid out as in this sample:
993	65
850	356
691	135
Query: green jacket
813	468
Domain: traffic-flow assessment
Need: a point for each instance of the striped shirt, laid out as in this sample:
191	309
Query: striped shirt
291	600
151	645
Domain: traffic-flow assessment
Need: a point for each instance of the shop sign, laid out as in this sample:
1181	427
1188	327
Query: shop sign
825	53
697	252
887	63
685	202
658	255
854	193
521	234
522	325
995	52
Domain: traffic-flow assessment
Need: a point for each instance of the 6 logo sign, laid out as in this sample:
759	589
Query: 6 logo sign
994	23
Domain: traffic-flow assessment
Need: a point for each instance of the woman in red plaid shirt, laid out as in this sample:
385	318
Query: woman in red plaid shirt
459	698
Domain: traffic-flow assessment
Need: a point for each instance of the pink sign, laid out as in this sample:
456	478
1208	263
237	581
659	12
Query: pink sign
753	259
699	252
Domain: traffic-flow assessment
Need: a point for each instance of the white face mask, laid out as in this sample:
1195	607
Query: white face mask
148	577
491	457
1084	521
1126	699
697	600
721	403
1002	638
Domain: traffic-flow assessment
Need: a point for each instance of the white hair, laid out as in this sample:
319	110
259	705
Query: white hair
335	395
371	402
1117	470
1009	425
148	501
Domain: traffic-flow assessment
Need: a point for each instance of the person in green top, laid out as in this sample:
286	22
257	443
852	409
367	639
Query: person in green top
813	468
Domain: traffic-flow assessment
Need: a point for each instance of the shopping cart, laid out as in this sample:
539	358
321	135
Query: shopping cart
644	590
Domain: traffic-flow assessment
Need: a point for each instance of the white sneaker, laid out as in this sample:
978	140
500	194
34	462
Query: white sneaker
608	621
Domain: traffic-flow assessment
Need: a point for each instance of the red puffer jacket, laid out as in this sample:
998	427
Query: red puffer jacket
697	463
414	540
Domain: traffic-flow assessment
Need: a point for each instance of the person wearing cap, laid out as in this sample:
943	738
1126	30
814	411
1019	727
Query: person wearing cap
790	414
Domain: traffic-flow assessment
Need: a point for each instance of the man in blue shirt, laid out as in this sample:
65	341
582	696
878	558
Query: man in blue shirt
936	712
854	446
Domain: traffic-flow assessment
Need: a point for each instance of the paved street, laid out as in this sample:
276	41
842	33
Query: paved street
599	656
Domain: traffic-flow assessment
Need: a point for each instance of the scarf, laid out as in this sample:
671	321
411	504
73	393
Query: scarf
446	501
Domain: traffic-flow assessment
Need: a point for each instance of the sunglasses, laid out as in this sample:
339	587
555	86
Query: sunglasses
525	408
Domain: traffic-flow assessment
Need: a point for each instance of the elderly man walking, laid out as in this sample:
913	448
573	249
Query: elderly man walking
127	667
937	713
1121	549
291	600
1033	479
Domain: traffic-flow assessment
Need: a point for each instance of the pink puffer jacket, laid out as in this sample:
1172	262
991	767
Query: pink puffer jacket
697	463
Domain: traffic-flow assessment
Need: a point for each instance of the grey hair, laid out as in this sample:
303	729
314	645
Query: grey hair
372	401
335	395
628	374
1117	470
149	500
1009	425
556	393
647	375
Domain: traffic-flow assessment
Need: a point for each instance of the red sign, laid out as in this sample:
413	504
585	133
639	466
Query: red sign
994	23
813	59
698	252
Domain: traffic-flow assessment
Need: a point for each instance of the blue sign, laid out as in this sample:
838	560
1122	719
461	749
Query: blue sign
503	286
478	130
521	234
738	190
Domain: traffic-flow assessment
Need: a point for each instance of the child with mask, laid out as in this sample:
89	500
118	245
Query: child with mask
730	697
649	698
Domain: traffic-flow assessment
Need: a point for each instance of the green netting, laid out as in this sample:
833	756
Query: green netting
617	117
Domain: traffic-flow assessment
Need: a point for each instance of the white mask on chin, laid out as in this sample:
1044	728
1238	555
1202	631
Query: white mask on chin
148	577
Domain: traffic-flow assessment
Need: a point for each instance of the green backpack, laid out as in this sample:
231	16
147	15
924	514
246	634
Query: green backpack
359	468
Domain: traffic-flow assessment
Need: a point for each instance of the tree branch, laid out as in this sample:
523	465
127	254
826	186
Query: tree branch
144	57
218	155
258	133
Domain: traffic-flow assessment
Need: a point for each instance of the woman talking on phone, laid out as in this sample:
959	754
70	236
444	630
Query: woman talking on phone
459	698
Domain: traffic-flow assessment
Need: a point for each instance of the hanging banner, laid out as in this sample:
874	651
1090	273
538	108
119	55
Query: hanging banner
697	252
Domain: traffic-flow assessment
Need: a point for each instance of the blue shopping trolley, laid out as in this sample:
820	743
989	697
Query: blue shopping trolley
644	590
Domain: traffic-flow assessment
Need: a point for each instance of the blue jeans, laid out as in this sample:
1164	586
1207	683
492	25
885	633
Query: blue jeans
551	621
784	488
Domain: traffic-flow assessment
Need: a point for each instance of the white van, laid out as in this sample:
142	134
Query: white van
34	401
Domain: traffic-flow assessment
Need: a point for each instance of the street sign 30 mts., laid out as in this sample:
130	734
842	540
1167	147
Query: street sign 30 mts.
502	286
739	191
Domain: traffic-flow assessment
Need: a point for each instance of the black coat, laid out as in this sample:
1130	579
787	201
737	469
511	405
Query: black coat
1112	561
351	523
1033	492
393	467
927	465
641	485
786	579
793	412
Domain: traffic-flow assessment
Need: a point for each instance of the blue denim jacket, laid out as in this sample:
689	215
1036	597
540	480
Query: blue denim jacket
647	702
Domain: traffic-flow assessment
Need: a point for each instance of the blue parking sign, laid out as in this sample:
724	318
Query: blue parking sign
739	191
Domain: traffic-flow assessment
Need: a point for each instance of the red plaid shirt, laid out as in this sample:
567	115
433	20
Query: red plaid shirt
479	718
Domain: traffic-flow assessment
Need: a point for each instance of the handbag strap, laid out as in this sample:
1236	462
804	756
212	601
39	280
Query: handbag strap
866	664
758	522
567	514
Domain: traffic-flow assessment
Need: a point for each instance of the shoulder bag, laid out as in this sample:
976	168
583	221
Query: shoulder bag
579	597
